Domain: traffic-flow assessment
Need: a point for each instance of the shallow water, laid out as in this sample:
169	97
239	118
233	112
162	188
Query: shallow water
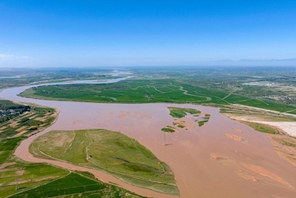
216	160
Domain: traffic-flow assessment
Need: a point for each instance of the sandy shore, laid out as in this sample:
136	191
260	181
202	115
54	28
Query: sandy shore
288	127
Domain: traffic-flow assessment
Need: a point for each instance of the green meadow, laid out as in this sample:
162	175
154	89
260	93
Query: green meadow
149	91
109	151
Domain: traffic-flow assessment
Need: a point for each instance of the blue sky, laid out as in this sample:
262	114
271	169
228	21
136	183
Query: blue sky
130	33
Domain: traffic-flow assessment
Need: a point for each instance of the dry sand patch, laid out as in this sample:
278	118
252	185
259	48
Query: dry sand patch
40	119
77	122
235	137
20	172
2	128
218	157
238	130
287	127
246	175
191	126
13	124
287	153
262	171
180	123
21	128
122	116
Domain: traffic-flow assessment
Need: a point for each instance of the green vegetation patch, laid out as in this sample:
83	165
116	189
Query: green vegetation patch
7	147
262	127
283	142
181	112
17	175
197	88
76	185
110	151
168	129
201	123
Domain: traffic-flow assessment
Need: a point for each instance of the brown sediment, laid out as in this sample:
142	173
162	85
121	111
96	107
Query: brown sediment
77	122
191	126
21	132
180	124
246	175
262	171
141	114
286	152
238	130
189	119
20	172
235	137
111	114
122	116
218	157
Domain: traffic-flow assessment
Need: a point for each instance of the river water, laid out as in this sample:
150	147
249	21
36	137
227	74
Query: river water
224	158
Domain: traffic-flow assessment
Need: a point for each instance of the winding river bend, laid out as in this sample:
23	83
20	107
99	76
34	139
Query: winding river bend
224	158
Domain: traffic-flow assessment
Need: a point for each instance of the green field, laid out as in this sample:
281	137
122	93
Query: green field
76	185
150	91
17	175
109	151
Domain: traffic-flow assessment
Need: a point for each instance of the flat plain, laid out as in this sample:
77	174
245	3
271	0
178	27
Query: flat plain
204	147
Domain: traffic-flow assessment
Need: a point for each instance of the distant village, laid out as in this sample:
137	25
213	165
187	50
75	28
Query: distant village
9	113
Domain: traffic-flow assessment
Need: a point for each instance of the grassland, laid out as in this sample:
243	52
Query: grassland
168	129
109	151
17	175
286	143
176	112
76	185
262	127
204	120
150	91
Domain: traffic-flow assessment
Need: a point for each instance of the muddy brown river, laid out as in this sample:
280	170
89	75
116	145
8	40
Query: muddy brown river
224	158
